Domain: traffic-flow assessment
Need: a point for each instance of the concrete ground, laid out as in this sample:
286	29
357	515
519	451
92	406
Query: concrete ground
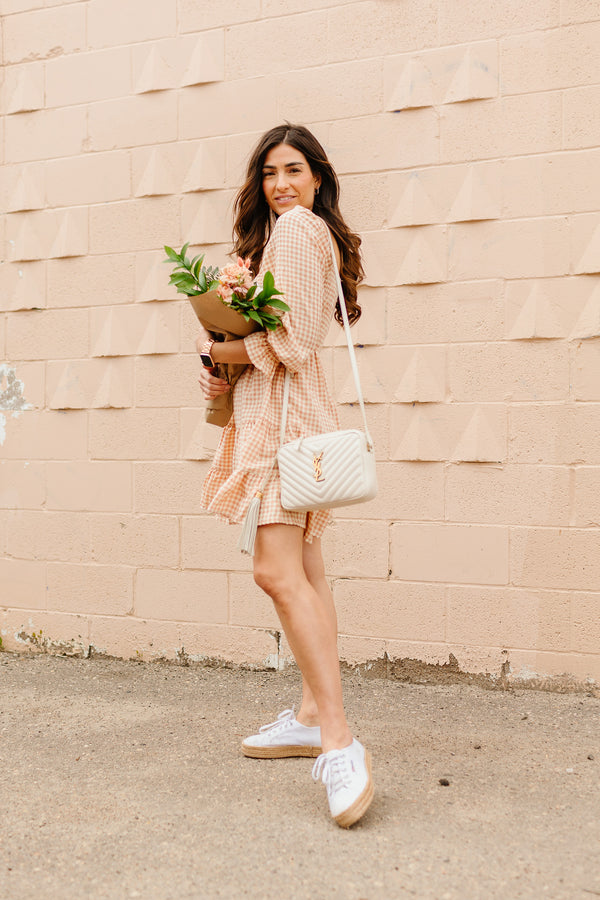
124	779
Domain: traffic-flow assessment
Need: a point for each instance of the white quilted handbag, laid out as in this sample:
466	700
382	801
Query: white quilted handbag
321	471
327	470
336	468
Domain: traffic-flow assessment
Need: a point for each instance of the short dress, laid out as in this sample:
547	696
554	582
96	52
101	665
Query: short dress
299	255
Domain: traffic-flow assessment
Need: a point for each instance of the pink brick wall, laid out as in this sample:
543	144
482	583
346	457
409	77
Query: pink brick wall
466	137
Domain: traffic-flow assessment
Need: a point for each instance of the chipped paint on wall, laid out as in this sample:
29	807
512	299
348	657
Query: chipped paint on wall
12	398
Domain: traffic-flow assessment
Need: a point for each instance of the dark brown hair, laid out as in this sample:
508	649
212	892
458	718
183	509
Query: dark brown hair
253	219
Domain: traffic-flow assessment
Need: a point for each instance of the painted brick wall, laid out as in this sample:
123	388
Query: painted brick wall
467	140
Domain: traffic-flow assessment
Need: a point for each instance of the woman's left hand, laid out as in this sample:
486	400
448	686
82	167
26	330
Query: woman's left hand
211	385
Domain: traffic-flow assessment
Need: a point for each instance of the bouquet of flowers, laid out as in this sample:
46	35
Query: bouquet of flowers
229	305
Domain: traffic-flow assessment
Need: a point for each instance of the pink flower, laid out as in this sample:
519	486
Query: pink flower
236	276
224	292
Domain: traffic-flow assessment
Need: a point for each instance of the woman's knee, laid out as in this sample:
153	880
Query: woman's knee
274	581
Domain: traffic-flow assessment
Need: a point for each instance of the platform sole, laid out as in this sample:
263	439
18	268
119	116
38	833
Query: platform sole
283	752
361	804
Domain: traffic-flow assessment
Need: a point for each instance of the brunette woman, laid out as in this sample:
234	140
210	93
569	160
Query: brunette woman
283	214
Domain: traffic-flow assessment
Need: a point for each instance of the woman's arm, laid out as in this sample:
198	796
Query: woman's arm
229	352
224	352
300	257
235	353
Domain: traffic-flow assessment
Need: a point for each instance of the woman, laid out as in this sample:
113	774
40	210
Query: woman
282	216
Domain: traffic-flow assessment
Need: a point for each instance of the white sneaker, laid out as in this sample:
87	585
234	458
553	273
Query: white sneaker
284	737
346	774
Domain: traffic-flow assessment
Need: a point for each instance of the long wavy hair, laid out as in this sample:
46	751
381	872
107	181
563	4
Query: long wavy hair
254	220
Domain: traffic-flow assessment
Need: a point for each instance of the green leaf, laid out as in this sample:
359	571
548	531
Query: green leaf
184	250
268	282
251	292
279	304
197	267
187	283
254	315
202	281
173	257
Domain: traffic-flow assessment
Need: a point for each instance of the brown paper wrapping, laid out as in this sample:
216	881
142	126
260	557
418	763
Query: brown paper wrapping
223	324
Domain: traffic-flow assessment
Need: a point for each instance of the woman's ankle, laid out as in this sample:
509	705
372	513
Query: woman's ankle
336	740
308	717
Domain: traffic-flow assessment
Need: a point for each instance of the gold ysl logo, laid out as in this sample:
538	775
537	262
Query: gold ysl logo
317	467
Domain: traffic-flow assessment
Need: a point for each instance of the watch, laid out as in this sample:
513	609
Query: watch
205	357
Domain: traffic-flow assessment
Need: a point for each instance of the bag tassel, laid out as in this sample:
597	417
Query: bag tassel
248	535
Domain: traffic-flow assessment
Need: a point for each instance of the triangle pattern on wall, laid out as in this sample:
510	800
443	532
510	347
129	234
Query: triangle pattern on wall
589	262
206	61
114	390
28	192
472	80
478	442
536	319
415	206
421	263
112	340
420	441
588	323
157	336
156	74
414	87
69	392
23	286
473	200
27	243
26	93
205	171
419	382
373	387
158	176
152	278
70	238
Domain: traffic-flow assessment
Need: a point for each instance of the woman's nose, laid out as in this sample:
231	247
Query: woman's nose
281	180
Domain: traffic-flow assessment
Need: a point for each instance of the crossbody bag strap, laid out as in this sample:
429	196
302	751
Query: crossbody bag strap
353	363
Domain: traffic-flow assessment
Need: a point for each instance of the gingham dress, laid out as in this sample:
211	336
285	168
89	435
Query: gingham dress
299	256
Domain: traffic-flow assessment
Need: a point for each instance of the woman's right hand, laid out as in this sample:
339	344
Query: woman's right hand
211	386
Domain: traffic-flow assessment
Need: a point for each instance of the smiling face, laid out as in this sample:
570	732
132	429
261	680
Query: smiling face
288	180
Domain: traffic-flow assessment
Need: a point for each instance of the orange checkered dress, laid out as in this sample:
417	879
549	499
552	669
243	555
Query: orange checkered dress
299	256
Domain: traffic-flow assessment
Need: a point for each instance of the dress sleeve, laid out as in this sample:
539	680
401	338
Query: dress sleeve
301	256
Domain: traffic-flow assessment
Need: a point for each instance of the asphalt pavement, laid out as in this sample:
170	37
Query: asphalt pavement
122	779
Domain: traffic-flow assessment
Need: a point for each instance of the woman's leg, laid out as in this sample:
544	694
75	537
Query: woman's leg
307	621
314	567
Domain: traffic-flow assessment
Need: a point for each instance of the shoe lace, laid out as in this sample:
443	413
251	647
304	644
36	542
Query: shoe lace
333	769
283	720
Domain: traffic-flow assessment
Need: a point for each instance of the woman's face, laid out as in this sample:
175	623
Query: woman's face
288	180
